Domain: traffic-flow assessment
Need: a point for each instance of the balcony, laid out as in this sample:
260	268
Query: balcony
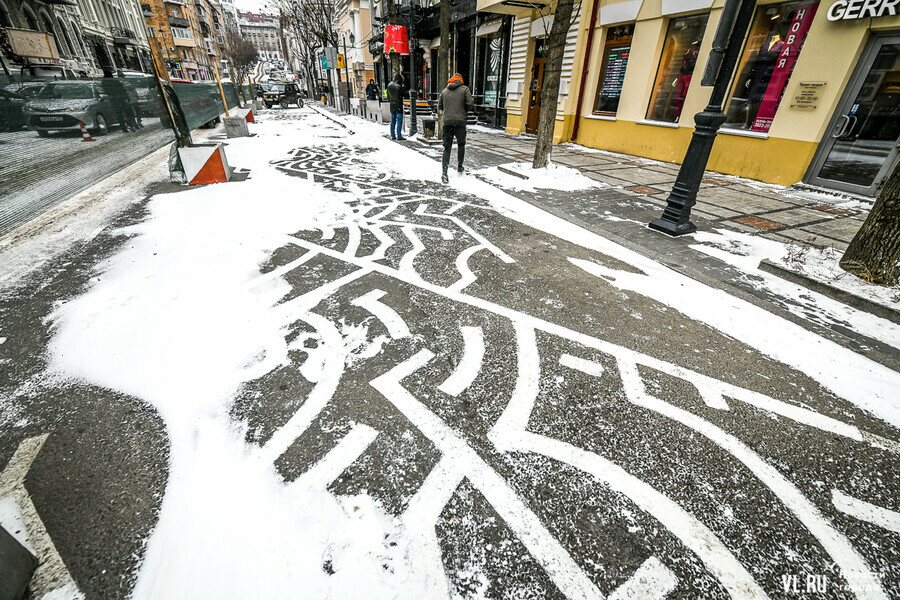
175	2
179	22
124	37
147	10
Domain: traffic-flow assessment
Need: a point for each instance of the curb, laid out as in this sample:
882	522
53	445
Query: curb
834	293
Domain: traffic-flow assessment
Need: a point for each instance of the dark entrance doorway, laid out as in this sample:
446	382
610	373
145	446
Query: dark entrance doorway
534	88
861	146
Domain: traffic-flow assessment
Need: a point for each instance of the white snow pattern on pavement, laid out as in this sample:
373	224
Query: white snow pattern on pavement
181	318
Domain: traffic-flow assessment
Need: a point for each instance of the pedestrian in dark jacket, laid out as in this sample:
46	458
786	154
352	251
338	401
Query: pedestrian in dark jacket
371	90
455	101
395	97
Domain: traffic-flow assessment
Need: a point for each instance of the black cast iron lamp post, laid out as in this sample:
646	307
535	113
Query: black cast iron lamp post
676	218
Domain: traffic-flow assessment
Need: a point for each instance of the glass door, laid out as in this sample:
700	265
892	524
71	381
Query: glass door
862	145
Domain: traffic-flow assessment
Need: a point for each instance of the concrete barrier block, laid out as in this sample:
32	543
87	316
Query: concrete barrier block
206	163
236	127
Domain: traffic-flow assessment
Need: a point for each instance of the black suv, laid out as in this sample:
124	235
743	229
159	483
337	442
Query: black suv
283	94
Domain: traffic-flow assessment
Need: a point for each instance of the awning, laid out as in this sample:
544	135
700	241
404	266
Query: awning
541	27
486	29
436	42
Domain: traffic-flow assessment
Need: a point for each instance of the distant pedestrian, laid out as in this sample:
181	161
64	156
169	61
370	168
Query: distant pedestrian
455	101
118	97
372	90
395	97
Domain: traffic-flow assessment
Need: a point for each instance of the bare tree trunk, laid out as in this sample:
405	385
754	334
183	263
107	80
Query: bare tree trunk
556	45
874	253
443	58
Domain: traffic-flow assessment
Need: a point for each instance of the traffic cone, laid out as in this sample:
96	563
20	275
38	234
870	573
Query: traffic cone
85	136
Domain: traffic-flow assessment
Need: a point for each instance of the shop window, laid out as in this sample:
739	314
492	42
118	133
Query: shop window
676	67
773	46
612	70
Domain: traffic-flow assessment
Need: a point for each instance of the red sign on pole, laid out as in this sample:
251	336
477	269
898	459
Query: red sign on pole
396	39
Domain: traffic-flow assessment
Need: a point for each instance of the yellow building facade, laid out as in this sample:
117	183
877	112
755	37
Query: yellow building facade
815	96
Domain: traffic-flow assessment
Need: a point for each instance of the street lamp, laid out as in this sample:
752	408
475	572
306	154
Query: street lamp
733	24
413	51
346	69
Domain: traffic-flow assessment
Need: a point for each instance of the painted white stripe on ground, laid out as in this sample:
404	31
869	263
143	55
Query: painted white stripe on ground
320	395
462	265
563	571
470	364
420	518
353	239
330	467
588	367
865	511
395	324
790	411
836	545
327	232
385	242
421	209
652	581
306	302
407	263
711	397
51	577
283	270
509	434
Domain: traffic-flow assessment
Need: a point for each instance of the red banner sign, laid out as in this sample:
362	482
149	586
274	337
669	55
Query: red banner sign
784	65
395	39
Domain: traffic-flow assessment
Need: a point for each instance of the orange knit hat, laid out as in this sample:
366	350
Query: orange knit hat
456	77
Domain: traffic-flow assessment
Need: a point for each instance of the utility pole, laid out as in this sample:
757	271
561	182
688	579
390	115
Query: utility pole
346	71
413	70
735	20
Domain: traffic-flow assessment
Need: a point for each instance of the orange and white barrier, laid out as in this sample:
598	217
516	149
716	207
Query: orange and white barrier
246	114
85	136
205	163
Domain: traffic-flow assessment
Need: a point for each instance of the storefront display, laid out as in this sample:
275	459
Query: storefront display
773	46
676	67
612	75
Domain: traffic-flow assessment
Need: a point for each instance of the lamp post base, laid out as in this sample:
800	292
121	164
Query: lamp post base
671	227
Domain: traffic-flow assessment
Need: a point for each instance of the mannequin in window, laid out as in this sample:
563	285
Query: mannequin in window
683	80
760	75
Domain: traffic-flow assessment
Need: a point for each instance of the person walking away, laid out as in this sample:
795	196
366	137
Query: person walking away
371	90
395	97
118	97
455	101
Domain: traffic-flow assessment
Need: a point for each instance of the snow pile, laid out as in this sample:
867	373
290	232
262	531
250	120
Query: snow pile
551	177
179	319
821	264
746	251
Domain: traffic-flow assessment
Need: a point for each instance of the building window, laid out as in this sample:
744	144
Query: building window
773	46
612	70
676	67
5	19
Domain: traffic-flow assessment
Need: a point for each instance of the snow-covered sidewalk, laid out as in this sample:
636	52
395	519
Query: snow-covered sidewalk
373	385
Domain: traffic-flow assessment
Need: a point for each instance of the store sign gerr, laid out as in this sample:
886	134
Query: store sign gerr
843	10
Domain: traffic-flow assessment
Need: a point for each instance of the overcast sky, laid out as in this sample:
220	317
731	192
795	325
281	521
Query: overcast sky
250	5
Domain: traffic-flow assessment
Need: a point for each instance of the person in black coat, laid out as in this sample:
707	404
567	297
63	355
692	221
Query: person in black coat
372	90
395	97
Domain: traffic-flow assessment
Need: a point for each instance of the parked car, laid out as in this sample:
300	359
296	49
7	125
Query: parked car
61	105
283	94
11	116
